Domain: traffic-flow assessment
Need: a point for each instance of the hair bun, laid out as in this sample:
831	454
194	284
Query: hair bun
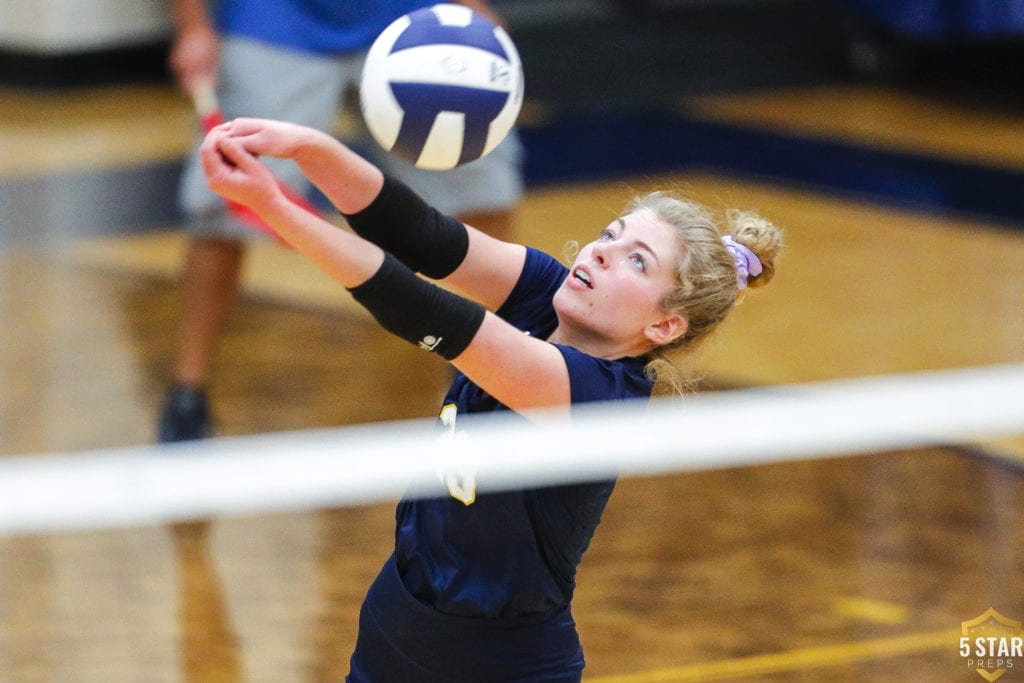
761	237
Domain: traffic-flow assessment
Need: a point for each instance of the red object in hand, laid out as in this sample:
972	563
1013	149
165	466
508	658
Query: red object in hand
211	115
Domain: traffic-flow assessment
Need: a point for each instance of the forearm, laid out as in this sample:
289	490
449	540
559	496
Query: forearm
349	181
346	257
404	304
383	211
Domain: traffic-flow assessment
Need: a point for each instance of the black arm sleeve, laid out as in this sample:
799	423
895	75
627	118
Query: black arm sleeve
422	237
418	311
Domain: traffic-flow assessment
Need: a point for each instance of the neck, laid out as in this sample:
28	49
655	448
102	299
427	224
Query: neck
598	346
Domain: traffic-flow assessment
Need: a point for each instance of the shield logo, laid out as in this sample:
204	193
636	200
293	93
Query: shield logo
991	624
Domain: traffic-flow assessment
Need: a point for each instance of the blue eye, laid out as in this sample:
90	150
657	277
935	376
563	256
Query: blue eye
638	261
606	234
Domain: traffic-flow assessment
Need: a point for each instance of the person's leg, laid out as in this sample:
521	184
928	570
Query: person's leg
255	80
209	286
209	283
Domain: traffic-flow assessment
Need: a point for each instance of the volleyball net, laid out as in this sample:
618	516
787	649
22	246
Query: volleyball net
308	470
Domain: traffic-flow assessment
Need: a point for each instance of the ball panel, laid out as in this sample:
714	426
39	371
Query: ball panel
427	28
380	109
438	153
423	103
515	65
381	112
506	118
455	65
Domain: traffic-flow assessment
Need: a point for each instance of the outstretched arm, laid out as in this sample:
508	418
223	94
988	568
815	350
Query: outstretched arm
390	214
518	370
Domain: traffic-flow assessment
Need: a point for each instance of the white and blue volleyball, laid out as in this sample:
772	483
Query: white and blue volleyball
441	86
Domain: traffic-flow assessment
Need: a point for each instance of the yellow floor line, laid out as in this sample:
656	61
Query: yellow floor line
796	660
874	611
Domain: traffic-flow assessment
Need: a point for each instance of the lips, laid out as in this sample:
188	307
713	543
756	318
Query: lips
583	276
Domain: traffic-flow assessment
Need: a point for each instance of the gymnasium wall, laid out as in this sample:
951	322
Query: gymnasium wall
69	43
50	27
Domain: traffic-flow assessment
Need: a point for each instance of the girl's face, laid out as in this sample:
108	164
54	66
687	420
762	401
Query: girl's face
616	285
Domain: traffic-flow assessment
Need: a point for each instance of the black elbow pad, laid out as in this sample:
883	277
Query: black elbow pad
400	222
419	311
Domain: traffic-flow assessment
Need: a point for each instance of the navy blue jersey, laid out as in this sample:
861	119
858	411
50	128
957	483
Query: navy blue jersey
524	545
479	586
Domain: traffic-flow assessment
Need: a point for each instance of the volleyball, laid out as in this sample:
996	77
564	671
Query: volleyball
441	86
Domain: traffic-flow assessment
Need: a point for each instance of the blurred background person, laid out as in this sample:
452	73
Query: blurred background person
294	60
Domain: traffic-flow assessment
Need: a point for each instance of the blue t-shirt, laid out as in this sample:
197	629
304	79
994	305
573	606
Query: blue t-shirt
319	26
513	554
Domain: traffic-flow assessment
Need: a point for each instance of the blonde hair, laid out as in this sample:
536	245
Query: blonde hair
706	289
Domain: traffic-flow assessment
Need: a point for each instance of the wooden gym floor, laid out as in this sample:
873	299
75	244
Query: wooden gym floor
858	568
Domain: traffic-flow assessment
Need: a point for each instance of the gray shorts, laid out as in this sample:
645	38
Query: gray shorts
261	80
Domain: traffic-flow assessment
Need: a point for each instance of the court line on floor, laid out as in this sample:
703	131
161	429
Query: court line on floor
797	660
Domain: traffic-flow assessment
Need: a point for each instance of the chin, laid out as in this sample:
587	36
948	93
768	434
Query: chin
558	300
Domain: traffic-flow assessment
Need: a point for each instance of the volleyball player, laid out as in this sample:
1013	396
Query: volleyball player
479	587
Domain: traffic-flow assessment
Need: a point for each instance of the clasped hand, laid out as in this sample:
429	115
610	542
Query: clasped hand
230	159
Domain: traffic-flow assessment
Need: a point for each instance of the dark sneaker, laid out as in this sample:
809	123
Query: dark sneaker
185	417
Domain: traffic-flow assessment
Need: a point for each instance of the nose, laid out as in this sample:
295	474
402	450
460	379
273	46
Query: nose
600	253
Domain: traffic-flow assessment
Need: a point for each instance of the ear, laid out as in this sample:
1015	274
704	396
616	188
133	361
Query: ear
665	330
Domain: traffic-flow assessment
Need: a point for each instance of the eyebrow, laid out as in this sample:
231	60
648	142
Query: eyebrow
643	245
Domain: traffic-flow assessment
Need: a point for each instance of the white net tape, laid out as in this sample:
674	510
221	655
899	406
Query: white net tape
358	465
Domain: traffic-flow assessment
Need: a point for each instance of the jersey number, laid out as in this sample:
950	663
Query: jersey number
461	480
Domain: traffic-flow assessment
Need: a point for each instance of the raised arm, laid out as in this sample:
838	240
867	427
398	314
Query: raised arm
389	214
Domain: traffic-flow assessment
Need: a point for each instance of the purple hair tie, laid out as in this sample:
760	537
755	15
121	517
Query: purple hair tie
746	261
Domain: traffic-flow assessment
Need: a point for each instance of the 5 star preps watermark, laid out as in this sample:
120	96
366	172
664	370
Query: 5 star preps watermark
992	644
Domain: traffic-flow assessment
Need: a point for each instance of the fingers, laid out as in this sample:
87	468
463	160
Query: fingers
235	154
227	166
220	147
242	126
210	159
252	129
264	137
247	133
